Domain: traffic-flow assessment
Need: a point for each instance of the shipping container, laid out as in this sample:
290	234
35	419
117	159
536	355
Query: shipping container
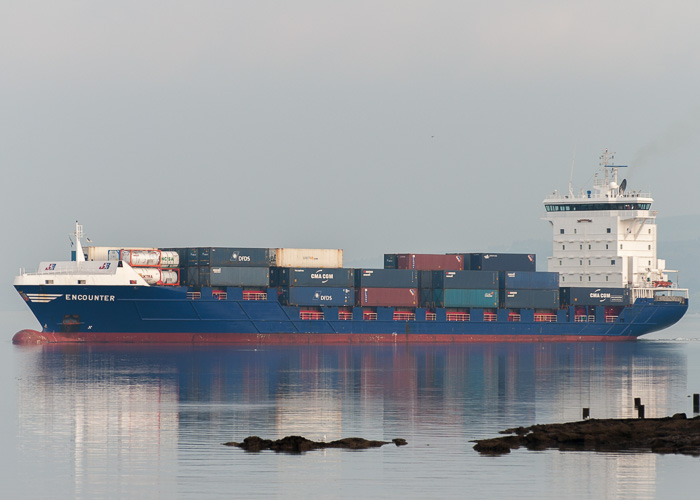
106	253
192	276
309	257
162	258
204	254
589	296
192	257
239	276
388	297
242	257
485	280
318	296
386	278
502	261
390	261
308	276
154	275
455	297
426	278
531	299
430	262
528	280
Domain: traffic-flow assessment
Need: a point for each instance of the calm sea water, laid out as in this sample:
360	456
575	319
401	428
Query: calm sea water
148	421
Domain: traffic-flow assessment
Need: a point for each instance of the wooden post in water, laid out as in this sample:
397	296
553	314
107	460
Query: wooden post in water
640	411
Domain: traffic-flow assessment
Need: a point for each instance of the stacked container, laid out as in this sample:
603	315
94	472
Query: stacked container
316	286
466	289
387	287
429	262
502	262
529	290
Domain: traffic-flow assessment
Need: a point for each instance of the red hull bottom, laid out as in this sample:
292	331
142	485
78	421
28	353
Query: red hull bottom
32	337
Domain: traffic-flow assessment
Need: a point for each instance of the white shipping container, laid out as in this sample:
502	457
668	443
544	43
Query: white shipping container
310	257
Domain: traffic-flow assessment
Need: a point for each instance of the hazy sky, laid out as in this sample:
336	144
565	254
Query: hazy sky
372	126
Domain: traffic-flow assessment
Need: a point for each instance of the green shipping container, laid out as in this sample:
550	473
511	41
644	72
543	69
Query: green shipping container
456	297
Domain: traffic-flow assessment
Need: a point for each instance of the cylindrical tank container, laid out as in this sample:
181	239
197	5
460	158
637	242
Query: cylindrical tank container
153	275
430	262
100	253
309	257
140	257
169	259
388	297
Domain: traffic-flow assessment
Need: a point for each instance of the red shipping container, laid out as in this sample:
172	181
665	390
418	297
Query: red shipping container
430	262
388	297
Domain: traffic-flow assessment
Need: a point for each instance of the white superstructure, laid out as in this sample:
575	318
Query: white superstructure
606	237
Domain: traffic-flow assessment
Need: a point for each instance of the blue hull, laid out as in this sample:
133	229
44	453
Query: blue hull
166	314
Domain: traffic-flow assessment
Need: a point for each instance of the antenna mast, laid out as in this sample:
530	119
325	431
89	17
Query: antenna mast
79	256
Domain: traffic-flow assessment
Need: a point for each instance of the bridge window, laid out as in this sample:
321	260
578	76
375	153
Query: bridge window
608	230
561	231
612	262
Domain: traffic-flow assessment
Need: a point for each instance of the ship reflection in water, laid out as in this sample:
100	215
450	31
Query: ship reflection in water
149	420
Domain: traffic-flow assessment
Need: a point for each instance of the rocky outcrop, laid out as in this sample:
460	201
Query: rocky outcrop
676	434
299	444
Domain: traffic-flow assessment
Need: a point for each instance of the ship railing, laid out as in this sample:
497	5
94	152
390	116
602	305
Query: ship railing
655	292
490	317
457	316
430	316
404	316
369	316
580	318
545	318
254	295
311	315
514	317
219	294
610	319
591	318
194	295
344	316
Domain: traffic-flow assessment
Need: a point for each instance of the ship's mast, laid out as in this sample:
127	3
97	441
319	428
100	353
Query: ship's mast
79	255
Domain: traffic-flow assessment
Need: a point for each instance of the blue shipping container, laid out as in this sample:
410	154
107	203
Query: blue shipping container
502	261
466	279
531	299
239	276
426	279
204	256
338	277
391	261
591	296
192	257
242	257
452	297
526	280
386	278
318	296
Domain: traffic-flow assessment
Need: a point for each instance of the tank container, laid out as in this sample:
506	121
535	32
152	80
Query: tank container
153	275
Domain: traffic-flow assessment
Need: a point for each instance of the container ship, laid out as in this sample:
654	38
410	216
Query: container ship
604	283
